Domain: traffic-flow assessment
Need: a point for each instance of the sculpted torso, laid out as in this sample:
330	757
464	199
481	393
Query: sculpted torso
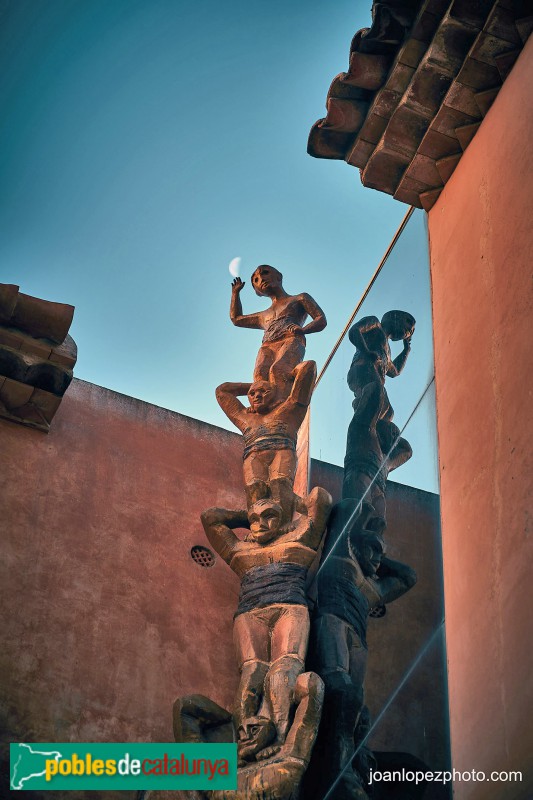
292	310
378	343
285	550
285	419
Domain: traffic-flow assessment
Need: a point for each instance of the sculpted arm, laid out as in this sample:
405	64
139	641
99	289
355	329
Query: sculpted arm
294	409
398	364
313	526
395	579
318	318
227	394
359	328
235	309
304	383
218	523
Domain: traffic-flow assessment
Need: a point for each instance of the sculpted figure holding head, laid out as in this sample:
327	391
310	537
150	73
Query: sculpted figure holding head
372	360
283	344
374	446
270	426
271	624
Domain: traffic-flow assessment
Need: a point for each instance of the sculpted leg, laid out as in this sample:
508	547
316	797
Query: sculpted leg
378	522
308	695
289	352
364	456
368	403
356	484
290	636
396	449
281	481
258	490
256	477
279	778
263	363
280	683
281	490
340	660
364	759
251	637
250	691
347	517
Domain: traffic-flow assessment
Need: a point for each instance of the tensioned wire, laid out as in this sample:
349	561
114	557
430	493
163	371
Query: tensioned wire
363	297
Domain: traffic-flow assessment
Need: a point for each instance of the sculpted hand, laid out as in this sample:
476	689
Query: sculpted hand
407	342
236	285
292	328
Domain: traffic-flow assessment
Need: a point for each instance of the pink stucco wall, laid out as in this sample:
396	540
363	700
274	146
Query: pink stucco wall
481	245
107	618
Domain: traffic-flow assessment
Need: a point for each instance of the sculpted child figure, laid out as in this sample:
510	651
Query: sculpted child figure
271	624
283	344
270	426
372	362
372	436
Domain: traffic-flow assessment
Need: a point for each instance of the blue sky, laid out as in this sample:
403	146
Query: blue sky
145	144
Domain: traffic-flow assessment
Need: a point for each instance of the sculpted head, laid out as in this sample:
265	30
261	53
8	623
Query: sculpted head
266	280
398	325
254	734
369	550
262	397
264	517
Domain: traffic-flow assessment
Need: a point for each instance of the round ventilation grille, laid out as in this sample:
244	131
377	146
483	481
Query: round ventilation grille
202	556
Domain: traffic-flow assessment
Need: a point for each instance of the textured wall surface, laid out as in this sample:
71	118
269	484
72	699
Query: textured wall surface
480	238
107	617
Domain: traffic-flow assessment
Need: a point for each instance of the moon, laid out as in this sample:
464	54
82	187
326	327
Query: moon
235	266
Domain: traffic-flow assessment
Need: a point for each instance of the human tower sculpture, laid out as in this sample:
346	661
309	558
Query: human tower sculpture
278	704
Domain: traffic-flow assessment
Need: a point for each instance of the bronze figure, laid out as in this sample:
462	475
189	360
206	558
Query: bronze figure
277	708
283	345
374	446
271	626
269	427
355	578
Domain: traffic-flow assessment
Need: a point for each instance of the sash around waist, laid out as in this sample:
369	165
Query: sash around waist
278	329
338	594
275	441
274	436
272	583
